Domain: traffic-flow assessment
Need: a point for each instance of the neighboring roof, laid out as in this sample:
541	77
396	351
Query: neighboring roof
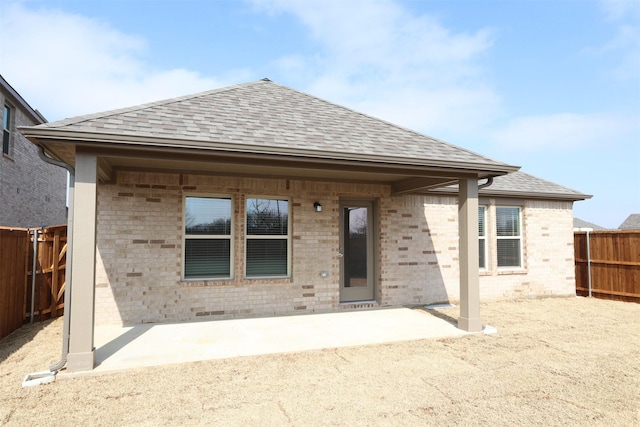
523	185
631	223
267	118
579	223
18	99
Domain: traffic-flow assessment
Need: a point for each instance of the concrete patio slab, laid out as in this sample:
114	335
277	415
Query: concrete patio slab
146	345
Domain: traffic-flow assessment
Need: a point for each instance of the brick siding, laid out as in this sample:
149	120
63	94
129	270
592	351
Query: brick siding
32	192
140	226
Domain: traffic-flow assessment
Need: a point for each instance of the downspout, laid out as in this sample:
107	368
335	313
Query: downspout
67	292
486	184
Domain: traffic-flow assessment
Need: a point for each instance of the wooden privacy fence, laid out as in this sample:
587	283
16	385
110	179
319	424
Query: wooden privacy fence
14	255
21	297
611	261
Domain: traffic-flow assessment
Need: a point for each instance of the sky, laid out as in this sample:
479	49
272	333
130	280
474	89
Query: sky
552	86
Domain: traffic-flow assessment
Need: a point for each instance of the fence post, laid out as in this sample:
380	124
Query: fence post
589	261
33	273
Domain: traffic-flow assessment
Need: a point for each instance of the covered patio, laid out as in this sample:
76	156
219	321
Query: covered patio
260	131
148	345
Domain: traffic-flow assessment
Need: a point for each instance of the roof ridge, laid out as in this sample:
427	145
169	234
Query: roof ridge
389	123
167	101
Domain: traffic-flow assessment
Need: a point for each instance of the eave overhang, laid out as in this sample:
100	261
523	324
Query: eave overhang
123	151
529	195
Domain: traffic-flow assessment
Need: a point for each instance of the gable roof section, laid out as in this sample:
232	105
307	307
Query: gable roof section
580	223
16	98
631	223
522	185
264	117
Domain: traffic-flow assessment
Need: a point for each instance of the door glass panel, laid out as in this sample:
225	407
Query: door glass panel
356	247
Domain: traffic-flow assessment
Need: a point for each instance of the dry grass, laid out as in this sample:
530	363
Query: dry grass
558	361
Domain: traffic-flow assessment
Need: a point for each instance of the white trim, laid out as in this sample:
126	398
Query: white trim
519	237
247	236
230	237
485	267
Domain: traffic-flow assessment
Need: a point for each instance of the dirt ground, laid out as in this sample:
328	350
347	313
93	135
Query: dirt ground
554	361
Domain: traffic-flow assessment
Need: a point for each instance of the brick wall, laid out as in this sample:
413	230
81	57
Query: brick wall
140	221
32	192
140	248
548	264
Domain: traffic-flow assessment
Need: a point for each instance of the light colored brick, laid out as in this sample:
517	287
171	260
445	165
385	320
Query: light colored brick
418	251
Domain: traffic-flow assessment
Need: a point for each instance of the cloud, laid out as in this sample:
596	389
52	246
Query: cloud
622	51
617	10
565	132
67	64
379	58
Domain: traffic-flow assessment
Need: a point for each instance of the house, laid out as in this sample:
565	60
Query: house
582	224
32	192
259	200
631	223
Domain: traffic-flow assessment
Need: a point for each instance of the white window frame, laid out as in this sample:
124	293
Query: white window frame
230	237
247	236
483	238
519	237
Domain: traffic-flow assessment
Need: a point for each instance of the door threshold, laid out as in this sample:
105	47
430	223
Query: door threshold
364	302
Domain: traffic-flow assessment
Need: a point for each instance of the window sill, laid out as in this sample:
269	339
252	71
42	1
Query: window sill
201	283
255	278
235	283
508	271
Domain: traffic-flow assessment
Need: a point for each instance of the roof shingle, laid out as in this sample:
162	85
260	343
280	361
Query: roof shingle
522	184
631	223
266	114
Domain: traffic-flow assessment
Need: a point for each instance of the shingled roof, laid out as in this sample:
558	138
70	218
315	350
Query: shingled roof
263	116
631	223
521	184
580	223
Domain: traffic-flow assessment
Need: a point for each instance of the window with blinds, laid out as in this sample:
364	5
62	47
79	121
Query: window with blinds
509	236
482	237
267	237
208	242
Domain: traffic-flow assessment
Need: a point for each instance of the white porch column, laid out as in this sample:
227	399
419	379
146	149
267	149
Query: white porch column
468	253
81	355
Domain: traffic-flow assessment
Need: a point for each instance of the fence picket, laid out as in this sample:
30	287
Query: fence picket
16	260
615	264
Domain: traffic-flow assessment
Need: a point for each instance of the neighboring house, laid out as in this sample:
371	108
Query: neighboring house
259	200
32	192
579	223
631	223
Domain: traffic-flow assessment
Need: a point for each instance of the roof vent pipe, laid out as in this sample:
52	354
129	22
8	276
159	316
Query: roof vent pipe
67	292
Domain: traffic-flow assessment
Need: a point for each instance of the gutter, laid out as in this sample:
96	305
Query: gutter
572	197
44	377
155	142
